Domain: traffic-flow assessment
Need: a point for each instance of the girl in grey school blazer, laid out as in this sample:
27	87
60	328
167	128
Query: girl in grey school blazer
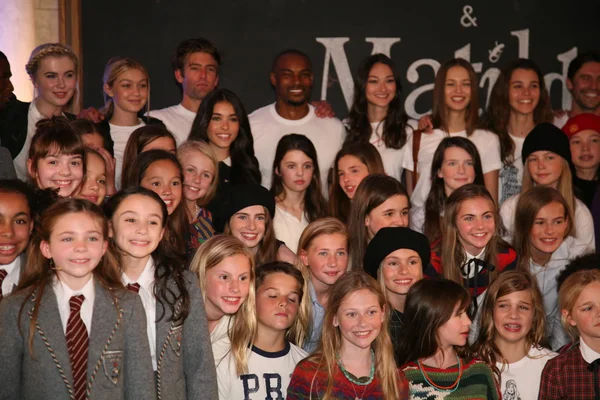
69	255
182	354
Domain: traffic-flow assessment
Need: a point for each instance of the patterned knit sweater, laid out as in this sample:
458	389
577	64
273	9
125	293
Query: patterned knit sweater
477	382
309	383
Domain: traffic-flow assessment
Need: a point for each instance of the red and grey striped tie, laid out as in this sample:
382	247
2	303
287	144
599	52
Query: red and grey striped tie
77	343
133	287
3	275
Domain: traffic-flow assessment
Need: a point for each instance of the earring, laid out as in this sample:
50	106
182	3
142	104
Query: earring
51	265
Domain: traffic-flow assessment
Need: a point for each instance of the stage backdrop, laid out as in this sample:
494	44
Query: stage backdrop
418	35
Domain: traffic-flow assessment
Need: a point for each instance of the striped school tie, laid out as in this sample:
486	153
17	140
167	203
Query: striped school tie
3	275
77	343
134	287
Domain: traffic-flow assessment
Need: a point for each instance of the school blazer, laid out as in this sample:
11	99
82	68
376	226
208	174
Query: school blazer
185	364
119	363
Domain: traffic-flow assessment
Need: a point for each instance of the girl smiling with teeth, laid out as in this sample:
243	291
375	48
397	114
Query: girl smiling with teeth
518	102
512	327
543	227
472	252
160	172
56	157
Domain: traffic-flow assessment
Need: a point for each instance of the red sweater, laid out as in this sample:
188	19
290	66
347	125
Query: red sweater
307	381
505	261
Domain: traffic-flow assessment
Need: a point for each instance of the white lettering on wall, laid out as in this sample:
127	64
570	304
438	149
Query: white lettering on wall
335	54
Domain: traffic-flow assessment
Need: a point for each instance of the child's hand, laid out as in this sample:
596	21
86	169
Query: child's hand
92	114
425	124
323	109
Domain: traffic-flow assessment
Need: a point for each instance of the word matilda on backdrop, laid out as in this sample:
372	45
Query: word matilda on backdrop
336	54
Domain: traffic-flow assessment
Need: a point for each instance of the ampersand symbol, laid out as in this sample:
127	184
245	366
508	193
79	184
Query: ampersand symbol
467	20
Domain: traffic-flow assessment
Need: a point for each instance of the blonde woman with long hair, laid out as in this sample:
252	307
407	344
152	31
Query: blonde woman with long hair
225	269
53	70
126	89
323	259
354	358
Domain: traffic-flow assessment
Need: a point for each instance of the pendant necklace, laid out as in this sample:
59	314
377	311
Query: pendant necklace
356	382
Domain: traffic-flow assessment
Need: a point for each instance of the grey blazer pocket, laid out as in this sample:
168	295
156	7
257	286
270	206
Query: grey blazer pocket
112	361
175	339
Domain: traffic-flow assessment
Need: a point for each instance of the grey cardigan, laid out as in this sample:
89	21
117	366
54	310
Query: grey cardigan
185	364
119	363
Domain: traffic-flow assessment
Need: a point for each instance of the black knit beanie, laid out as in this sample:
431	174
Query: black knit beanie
238	197
547	137
388	240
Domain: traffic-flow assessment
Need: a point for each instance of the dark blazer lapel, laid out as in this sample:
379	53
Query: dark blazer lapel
104	319
51	325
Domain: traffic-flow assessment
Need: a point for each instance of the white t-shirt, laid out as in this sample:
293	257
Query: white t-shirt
177	119
268	374
486	142
584	223
20	161
510	179
521	379
288	229
417	218
219	338
392	158
120	136
268	127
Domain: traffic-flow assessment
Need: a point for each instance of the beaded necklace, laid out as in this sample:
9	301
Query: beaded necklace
356	382
450	388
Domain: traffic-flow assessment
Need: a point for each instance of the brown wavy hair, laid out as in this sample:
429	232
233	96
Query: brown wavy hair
373	191
452	252
40	272
430	303
528	206
497	116
339	203
507	283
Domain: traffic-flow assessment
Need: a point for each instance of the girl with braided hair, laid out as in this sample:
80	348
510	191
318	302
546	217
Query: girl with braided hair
53	69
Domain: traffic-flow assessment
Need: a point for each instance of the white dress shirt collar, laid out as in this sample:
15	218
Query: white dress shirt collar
64	293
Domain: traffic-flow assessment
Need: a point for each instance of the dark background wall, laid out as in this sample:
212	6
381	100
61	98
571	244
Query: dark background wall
426	33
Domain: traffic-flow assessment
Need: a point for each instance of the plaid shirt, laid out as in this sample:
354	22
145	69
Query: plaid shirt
567	377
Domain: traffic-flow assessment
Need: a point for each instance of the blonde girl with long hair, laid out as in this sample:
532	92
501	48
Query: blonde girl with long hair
354	358
545	246
126	90
281	327
200	181
511	334
323	259
547	157
53	69
398	258
225	269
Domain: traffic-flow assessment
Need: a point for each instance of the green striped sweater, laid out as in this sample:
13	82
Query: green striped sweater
477	382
